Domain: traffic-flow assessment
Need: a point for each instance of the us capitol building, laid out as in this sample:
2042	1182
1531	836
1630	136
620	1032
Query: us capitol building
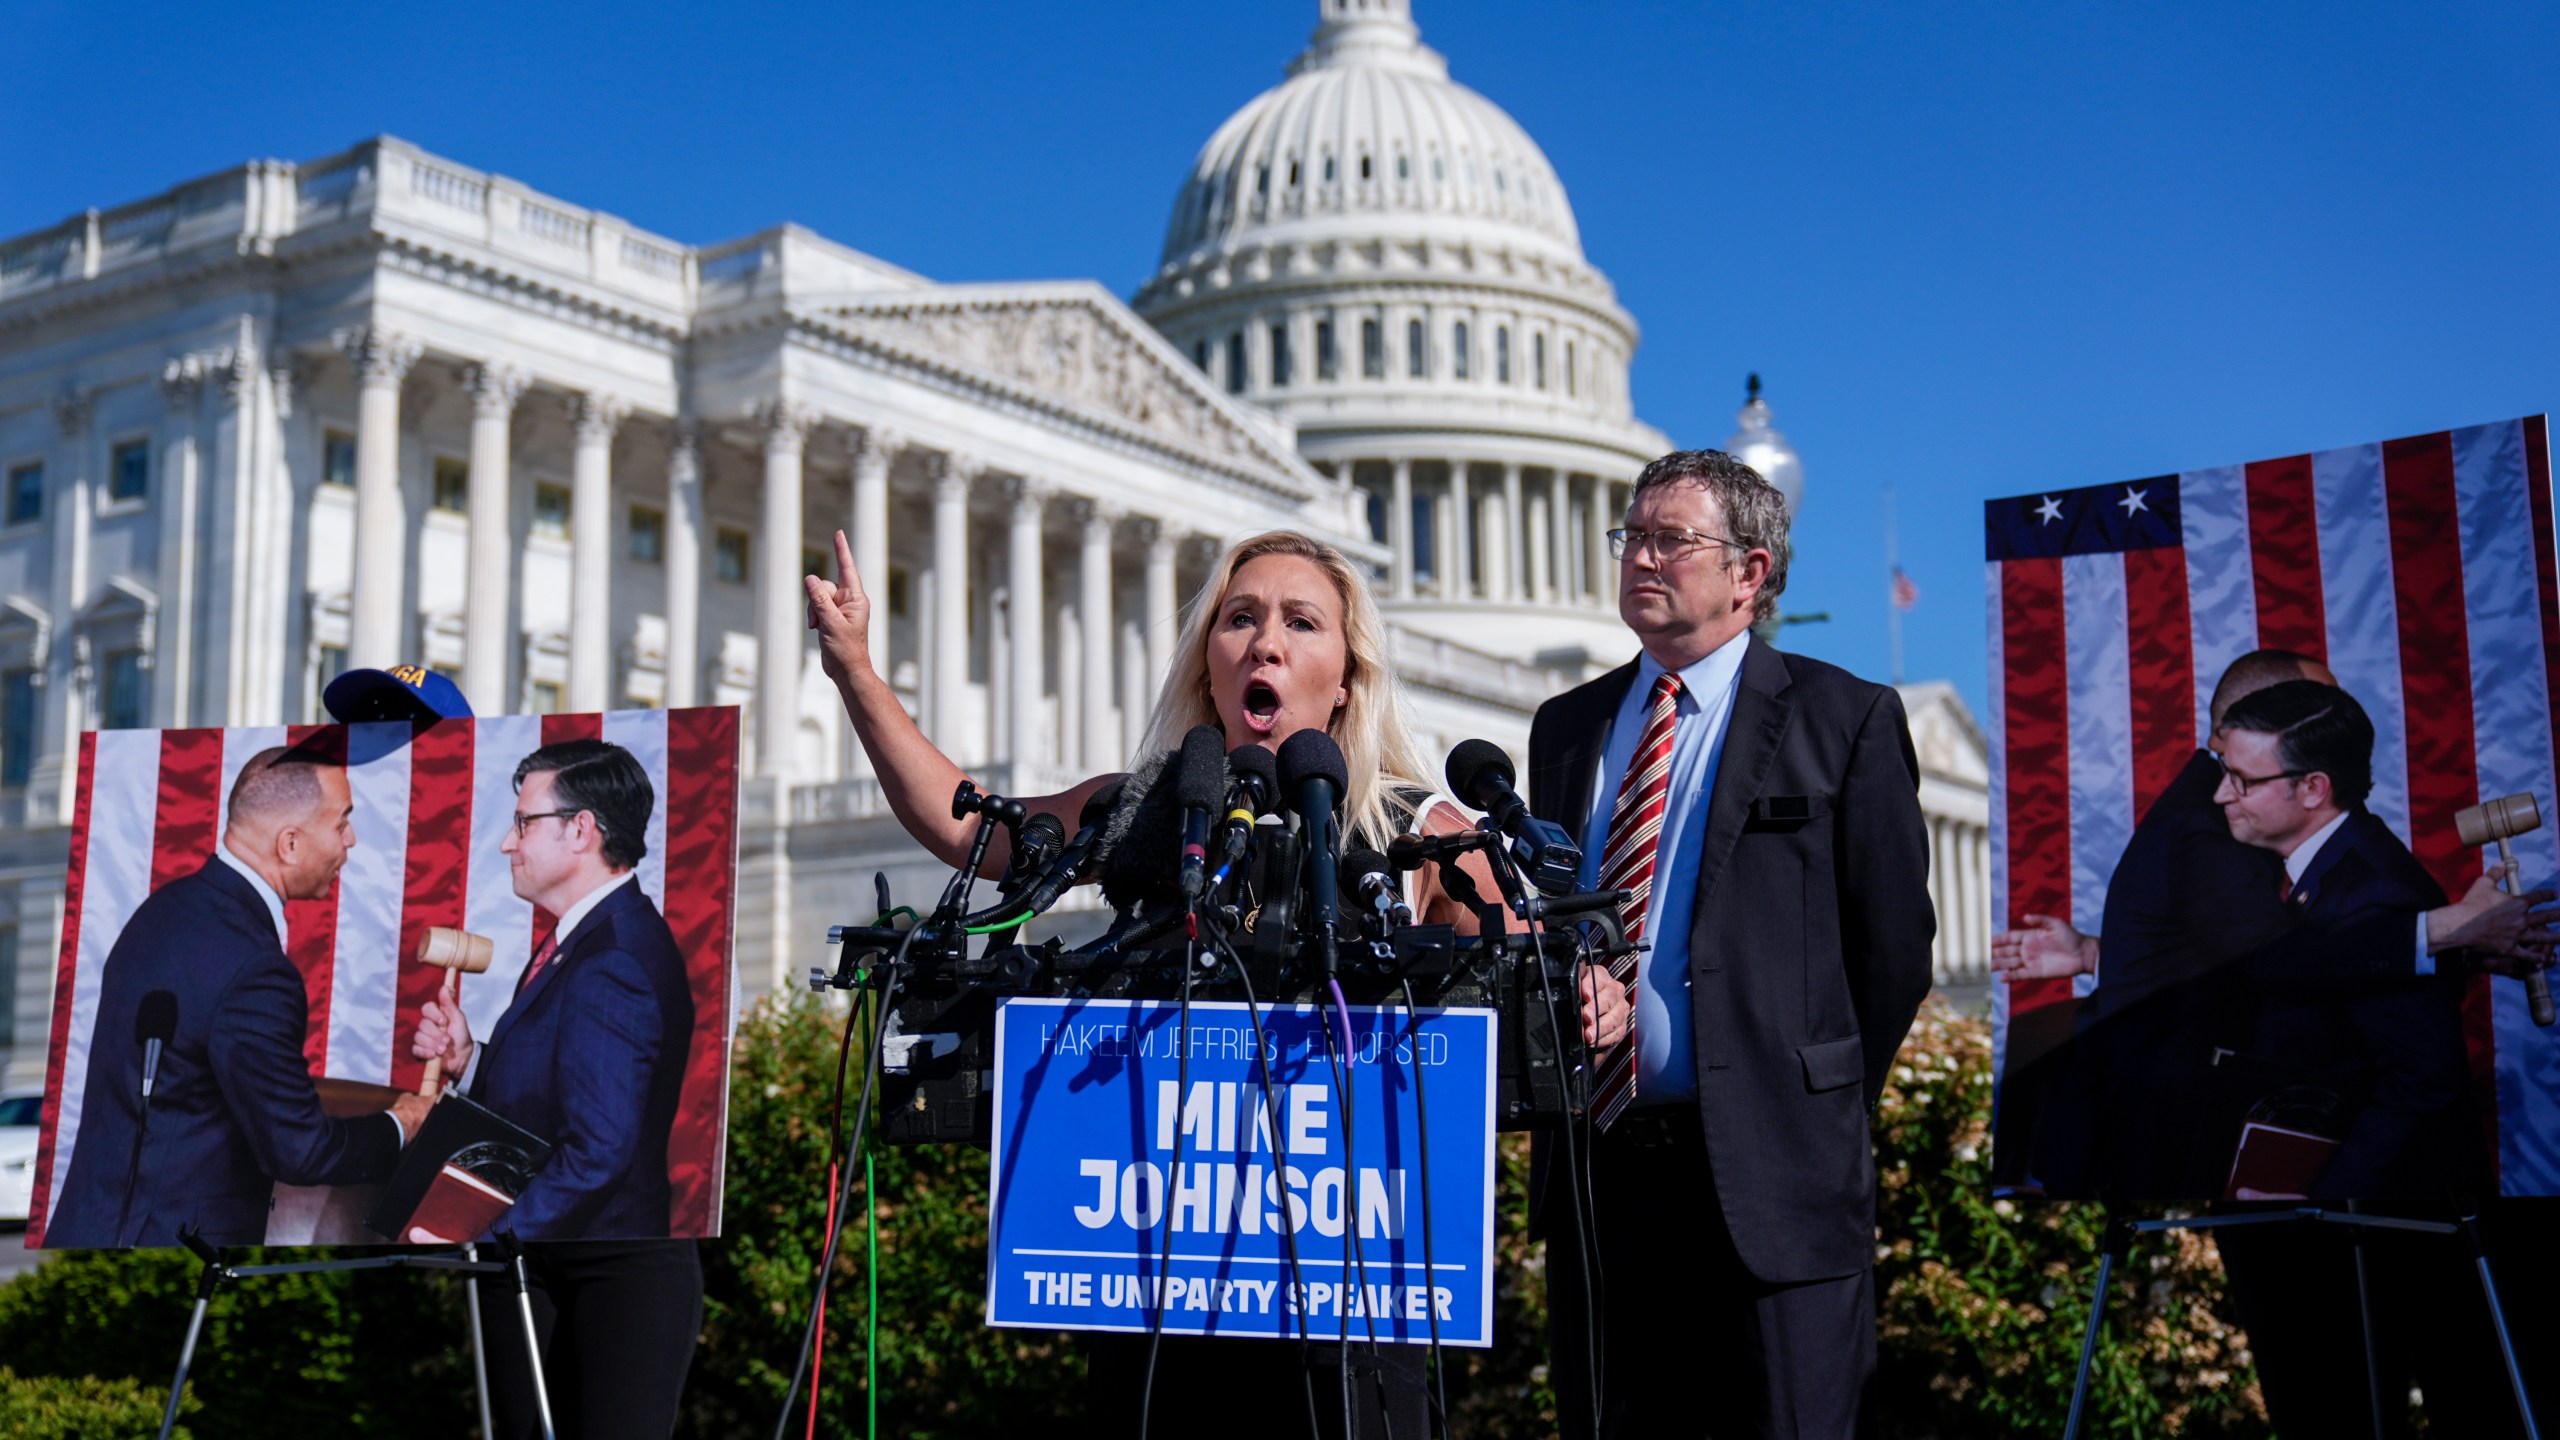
381	406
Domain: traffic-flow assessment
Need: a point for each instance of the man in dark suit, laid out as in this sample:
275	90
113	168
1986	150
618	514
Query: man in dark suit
1768	804
590	1056
231	1108
2195	941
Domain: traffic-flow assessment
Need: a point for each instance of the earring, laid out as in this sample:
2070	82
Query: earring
1341	698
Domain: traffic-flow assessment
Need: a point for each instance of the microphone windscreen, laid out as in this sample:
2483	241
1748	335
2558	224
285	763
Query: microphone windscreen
1098	806
1312	755
156	1018
1474	763
1357	866
1253	762
1200	774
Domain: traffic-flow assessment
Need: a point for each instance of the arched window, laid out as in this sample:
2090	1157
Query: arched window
1328	169
1364	167
1235	363
1262	180
1417	349
1538	361
1280	353
1328	360
1293	172
1403	169
1200	355
1373	350
1502	354
1570	382
1461	363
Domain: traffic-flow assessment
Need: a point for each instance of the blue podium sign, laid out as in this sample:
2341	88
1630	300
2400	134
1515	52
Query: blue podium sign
1239	1197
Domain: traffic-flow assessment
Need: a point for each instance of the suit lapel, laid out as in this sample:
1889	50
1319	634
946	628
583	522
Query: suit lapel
1587	734
571	946
1761	710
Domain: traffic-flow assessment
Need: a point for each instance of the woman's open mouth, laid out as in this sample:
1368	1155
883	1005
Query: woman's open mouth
1261	707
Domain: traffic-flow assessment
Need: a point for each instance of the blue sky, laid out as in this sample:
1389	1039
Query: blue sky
1975	250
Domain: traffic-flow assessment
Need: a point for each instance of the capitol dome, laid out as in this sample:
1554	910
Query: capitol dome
1384	257
1368	128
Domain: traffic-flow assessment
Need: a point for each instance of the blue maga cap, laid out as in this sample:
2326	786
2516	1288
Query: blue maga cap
403	692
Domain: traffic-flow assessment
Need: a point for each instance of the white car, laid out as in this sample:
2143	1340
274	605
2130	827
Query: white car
20	1115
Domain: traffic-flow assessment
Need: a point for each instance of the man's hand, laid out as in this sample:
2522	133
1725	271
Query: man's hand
841	614
411	1112
1606	1010
2511	934
2043	949
443	1031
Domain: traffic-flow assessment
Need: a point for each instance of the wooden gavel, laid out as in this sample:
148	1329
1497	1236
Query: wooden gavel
455	952
2492	822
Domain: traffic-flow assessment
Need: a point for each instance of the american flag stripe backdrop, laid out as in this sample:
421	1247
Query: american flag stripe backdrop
2421	570
431	810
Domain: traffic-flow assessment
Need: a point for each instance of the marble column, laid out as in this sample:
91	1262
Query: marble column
1515	536
947	664
489	558
180	483
779	598
1537	576
867	529
380	600
684	565
1400	527
1027	620
1163	620
595	418
1093	607
1595	541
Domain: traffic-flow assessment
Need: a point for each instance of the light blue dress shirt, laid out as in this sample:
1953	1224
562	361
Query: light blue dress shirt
1666	1050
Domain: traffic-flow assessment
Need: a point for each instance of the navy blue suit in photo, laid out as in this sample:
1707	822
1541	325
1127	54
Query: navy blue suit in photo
2396	1044
591	1058
233	1107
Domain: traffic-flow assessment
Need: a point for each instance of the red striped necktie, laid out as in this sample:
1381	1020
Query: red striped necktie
541	957
1627	863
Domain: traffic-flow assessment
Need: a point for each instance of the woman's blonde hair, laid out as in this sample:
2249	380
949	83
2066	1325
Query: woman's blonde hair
1378	753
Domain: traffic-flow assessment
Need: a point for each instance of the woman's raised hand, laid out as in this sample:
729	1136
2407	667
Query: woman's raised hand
841	614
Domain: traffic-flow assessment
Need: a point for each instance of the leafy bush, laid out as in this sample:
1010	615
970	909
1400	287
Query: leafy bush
1982	1299
1985	1300
56	1407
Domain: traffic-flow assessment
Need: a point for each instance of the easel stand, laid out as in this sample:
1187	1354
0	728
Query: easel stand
217	1272
2118	1244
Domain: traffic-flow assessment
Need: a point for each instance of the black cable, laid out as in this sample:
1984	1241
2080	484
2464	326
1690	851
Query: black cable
1280	1150
1354	1261
1575	1173
1430	1263
953	892
1164	1194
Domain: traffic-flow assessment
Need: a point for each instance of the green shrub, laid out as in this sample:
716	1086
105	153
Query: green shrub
57	1407
1985	1300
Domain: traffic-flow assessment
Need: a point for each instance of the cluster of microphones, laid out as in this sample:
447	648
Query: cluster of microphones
1234	803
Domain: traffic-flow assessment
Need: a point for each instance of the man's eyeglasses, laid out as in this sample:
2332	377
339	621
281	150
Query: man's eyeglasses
1667	545
2240	783
524	820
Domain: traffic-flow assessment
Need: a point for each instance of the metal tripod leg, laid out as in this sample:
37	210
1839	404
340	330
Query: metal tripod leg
532	1339
2498	1322
2114	1248
479	1346
2364	1316
207	1282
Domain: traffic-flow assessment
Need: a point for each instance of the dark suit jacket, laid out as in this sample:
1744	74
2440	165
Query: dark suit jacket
1809	948
233	1109
591	1058
2397	1042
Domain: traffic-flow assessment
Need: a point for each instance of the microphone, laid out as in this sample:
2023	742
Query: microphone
1200	785
1313	776
1043	836
1041	891
153	1025
1480	774
1367	879
1256	777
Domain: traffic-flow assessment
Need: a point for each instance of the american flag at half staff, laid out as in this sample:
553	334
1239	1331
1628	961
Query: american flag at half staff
2421	570
431	807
